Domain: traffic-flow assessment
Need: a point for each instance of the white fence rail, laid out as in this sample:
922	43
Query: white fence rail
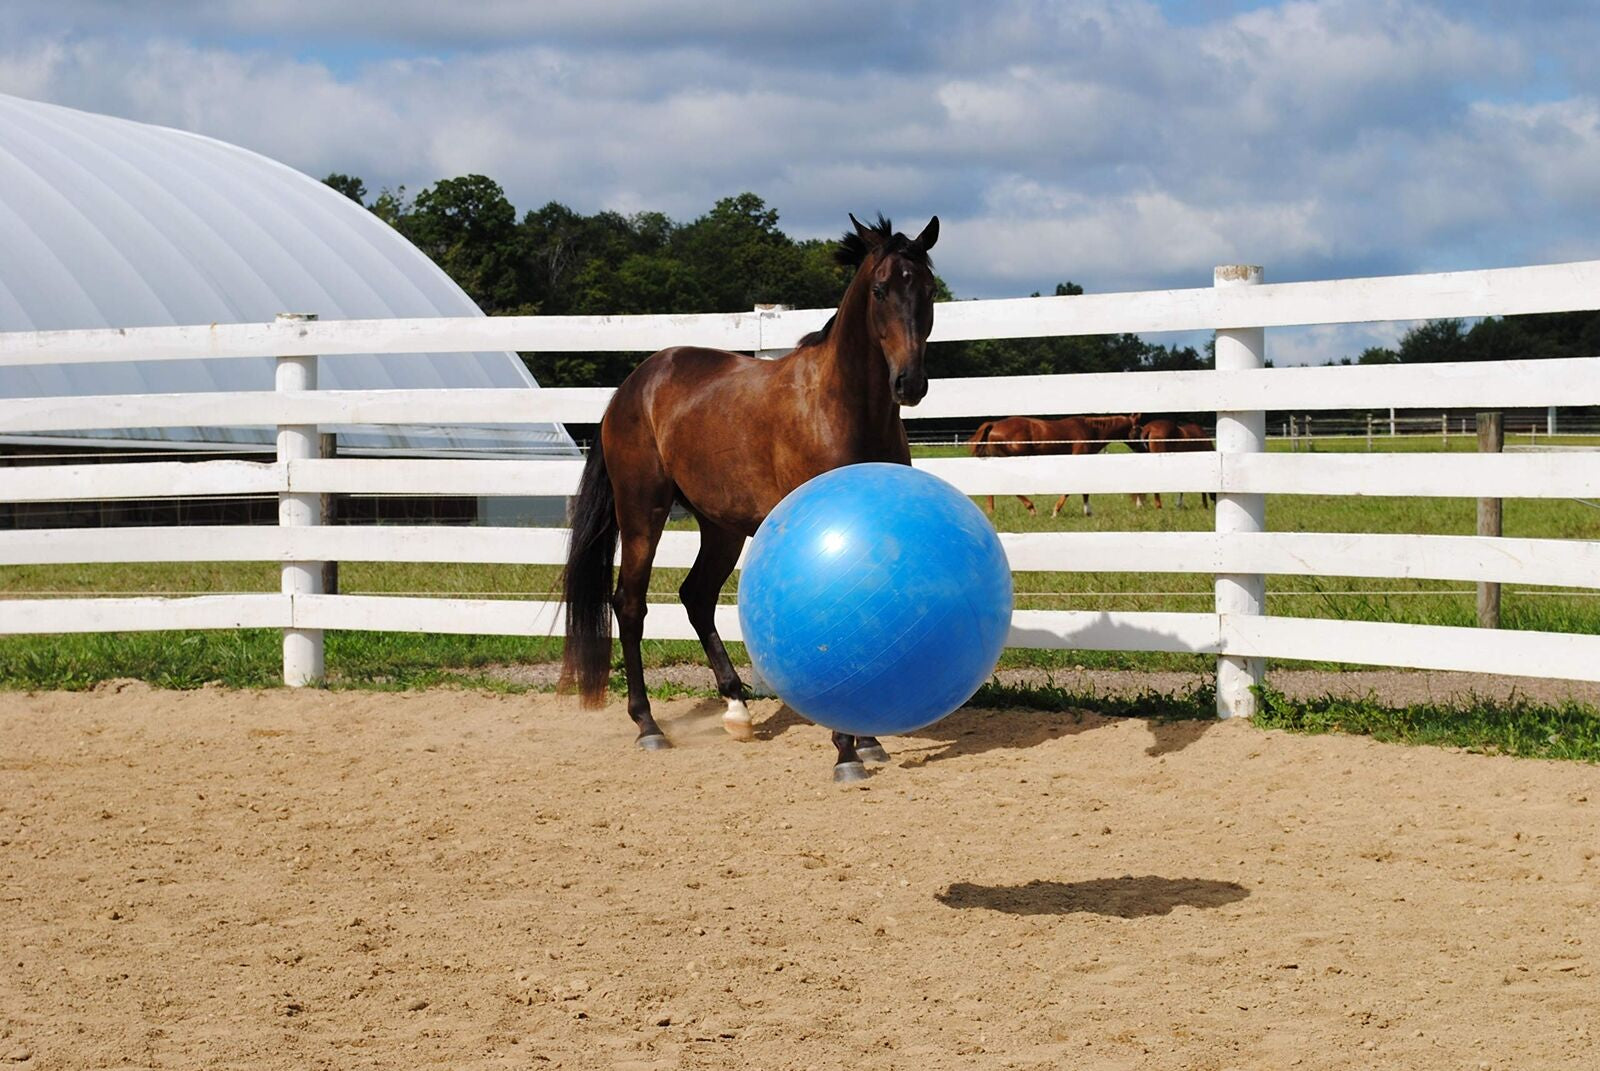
1239	630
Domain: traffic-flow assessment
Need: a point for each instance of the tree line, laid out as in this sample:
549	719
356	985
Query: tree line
556	261
1495	338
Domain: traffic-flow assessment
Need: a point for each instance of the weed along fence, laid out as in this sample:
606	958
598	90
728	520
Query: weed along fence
1240	552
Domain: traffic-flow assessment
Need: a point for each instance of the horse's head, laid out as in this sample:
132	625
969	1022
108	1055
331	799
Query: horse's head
900	288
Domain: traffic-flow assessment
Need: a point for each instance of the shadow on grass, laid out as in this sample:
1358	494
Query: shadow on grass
1126	897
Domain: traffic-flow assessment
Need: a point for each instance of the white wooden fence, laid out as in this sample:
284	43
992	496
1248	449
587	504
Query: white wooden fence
1239	552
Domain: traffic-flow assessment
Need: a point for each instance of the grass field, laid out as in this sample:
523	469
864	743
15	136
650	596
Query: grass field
250	658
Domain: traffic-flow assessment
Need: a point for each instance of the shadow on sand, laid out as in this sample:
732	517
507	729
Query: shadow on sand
1126	897
976	730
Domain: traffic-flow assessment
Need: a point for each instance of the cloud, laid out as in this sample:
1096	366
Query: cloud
1106	143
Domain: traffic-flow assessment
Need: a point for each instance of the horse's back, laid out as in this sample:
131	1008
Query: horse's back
715	423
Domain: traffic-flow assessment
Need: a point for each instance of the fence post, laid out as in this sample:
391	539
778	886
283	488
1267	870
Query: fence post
302	648
765	313
1491	440
1239	348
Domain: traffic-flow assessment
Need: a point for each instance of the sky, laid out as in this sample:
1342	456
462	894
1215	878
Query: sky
1122	145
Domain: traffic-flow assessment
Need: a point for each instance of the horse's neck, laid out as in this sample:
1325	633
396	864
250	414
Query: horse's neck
851	377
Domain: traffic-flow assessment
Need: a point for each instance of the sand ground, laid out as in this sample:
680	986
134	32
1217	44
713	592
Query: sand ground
315	879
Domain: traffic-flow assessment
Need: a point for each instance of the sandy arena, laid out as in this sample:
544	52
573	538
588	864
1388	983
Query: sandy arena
454	879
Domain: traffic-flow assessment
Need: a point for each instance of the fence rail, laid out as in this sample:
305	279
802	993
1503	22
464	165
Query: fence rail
1240	631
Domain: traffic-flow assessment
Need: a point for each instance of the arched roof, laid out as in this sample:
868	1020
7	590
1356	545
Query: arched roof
105	222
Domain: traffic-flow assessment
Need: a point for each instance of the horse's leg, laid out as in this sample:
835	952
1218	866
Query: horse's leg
990	509
1087	512
1055	510
719	553
848	767
641	530
1028	503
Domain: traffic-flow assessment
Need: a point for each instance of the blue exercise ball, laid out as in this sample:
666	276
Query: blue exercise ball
875	599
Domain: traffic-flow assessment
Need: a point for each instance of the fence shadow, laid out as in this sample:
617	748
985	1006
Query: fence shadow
1127	897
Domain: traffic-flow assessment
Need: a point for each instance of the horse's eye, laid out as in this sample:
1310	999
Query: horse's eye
878	290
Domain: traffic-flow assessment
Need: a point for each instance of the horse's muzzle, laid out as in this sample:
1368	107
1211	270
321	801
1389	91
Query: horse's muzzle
910	389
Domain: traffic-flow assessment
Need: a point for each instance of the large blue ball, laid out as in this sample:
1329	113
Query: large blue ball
875	599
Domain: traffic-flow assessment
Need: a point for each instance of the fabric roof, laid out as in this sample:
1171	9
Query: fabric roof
106	222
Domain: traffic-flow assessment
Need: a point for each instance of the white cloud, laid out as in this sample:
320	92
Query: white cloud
1093	141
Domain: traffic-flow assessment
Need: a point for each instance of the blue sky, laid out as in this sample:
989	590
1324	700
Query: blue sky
1122	145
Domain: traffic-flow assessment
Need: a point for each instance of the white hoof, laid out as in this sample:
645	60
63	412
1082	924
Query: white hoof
737	721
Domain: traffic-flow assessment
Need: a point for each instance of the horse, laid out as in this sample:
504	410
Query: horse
1164	435
727	436
1030	436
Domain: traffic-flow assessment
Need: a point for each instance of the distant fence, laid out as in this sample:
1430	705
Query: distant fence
1239	552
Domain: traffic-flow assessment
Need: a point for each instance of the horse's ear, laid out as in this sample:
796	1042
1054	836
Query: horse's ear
929	235
866	233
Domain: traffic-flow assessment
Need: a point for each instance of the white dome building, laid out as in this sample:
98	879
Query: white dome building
106	222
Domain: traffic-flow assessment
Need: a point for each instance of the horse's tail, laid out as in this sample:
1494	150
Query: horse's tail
586	583
979	443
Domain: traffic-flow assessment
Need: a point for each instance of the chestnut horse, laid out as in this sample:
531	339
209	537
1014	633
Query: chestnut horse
1166	436
1029	436
727	436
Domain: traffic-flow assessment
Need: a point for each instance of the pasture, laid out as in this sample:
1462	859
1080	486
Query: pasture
290	878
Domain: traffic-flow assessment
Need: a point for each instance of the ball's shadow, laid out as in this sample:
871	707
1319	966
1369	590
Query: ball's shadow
1126	897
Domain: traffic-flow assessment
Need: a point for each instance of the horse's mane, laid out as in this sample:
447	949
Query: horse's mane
852	251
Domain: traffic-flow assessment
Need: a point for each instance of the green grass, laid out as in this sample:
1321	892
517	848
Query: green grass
1516	726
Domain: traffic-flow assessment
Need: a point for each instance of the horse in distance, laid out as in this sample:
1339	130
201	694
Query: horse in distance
1032	436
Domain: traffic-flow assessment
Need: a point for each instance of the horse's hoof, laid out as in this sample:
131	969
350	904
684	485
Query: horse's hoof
737	721
845	773
653	742
875	753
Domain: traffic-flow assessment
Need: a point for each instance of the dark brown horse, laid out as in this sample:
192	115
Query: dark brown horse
1031	436
728	436
1164	435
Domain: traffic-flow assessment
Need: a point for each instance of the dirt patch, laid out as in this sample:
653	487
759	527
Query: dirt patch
310	879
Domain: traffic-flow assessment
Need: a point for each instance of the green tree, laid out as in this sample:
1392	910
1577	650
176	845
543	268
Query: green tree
740	256
468	228
392	207
348	185
1436	340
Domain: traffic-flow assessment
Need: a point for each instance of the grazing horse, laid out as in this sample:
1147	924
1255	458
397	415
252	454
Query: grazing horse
1030	436
728	436
1166	436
